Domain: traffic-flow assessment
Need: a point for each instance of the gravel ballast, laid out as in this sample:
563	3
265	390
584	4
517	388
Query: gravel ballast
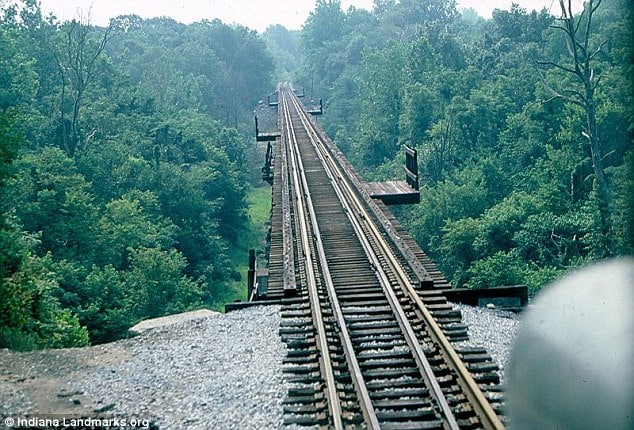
492	329
221	372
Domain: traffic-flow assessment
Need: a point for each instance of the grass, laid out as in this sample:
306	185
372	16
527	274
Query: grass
259	199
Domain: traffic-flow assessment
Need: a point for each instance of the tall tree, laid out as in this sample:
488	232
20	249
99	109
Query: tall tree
321	35
577	32
77	59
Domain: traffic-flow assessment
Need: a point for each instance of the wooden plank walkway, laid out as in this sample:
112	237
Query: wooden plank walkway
275	290
393	192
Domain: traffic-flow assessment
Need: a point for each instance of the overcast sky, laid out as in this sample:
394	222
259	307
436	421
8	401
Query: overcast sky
255	14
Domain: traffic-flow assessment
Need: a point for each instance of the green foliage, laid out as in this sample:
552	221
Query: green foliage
210	67
501	268
107	314
18	80
30	315
129	189
380	90
9	143
504	268
284	47
622	205
463	196
157	286
418	112
509	190
131	222
50	196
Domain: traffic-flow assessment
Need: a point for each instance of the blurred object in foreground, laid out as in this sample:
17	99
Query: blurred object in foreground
572	365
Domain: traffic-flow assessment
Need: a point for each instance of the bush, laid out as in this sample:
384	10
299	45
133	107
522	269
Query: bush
156	285
30	314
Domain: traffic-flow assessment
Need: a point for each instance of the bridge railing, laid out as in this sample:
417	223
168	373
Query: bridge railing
411	167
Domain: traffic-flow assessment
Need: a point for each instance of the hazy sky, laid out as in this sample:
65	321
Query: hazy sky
255	14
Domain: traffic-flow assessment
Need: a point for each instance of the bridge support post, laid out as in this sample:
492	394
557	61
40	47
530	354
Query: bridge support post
251	284
411	167
267	171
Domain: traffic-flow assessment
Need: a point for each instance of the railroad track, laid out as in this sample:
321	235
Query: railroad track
364	349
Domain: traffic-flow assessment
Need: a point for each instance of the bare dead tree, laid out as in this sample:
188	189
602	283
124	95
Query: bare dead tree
76	60
577	32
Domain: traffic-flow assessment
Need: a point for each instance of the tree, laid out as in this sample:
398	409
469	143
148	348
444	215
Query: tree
440	147
157	284
284	47
9	144
18	80
106	311
408	19
322	32
30	314
118	179
51	197
578	37
380	90
131	222
77	60
247	66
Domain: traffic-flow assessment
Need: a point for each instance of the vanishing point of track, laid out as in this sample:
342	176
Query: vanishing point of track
364	350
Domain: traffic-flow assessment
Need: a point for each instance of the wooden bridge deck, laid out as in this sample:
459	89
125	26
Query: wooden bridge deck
393	192
275	288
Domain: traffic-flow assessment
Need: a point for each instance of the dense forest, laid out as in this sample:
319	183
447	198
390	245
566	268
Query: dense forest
127	150
523	124
125	169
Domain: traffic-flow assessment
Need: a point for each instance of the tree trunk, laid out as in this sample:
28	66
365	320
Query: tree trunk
577	33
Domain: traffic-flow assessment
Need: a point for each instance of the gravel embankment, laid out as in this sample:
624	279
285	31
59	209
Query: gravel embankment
222	372
492	329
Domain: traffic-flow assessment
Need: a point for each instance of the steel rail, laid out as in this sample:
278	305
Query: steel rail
356	375
334	403
363	395
409	334
482	407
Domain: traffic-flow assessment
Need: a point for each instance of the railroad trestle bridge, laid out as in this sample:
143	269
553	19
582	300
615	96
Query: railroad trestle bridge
371	336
